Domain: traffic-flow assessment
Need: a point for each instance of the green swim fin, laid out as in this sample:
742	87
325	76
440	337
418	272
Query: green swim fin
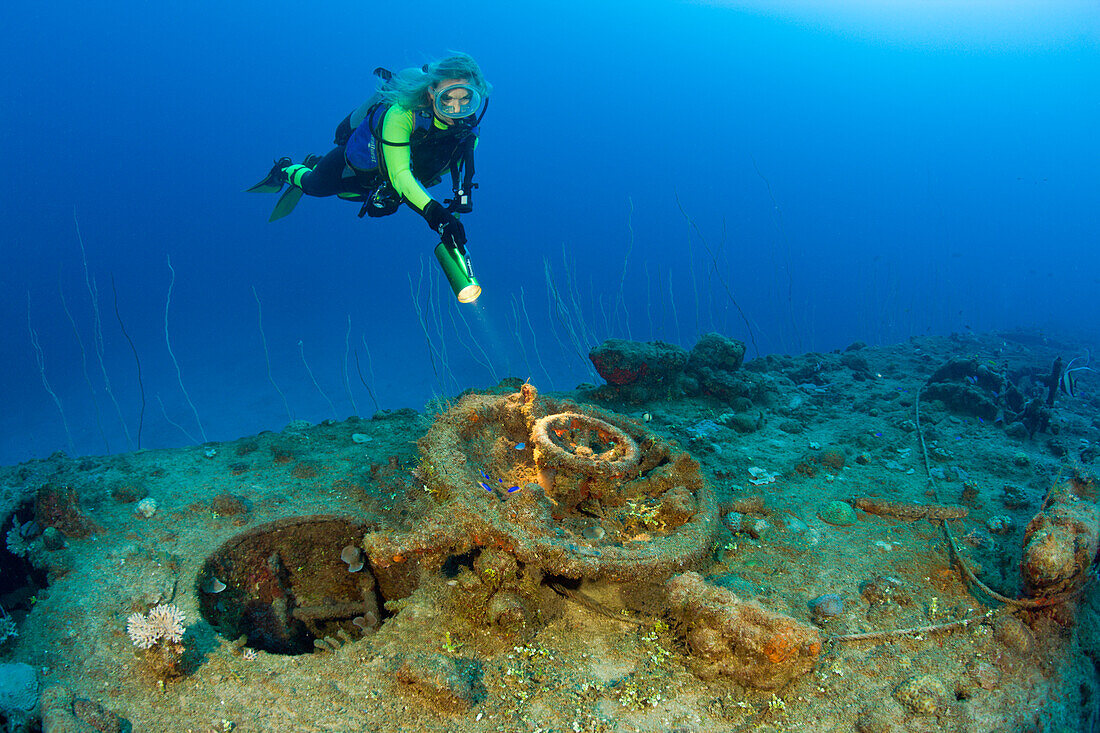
290	198
286	203
274	180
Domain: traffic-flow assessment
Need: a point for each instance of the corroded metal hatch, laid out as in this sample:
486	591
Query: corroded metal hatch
290	583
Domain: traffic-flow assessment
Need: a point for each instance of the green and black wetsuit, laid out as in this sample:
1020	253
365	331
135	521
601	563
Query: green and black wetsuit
417	150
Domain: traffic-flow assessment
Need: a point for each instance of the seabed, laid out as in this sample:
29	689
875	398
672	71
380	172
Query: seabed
770	553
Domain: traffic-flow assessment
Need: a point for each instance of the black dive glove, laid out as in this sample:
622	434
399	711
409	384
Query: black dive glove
450	229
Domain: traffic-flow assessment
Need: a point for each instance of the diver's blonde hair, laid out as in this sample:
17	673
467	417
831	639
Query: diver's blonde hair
409	87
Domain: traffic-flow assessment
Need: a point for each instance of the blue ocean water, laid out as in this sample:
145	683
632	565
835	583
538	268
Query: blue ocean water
837	171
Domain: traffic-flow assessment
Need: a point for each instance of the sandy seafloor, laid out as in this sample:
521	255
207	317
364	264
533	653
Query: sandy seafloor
575	668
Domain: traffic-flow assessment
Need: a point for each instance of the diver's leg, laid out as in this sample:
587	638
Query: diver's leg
323	177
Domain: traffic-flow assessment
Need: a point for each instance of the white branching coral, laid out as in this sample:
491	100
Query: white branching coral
163	622
16	540
16	545
8	629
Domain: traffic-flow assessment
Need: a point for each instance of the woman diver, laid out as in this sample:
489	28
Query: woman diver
420	123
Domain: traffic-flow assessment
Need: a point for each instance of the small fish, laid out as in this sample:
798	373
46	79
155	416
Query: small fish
520	446
1068	381
485	486
213	585
512	488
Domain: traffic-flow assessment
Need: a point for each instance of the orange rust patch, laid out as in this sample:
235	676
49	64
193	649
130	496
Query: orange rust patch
782	646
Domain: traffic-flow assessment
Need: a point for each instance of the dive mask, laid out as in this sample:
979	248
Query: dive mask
457	101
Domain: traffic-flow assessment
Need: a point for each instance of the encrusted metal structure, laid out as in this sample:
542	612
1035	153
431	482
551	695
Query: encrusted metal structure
568	490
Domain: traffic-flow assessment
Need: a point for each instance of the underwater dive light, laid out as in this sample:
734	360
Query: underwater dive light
456	266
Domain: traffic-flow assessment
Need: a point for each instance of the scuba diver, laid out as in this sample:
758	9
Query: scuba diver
420	123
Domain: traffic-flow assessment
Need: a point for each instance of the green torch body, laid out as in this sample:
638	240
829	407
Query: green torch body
456	266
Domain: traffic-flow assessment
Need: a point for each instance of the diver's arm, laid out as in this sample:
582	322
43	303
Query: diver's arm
397	127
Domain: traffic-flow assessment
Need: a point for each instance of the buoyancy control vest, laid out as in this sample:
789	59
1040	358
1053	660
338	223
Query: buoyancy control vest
432	149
